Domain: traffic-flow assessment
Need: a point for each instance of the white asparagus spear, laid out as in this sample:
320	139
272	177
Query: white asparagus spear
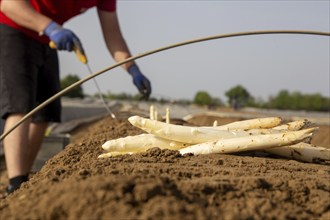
302	152
167	116
114	154
269	122
264	122
156	115
141	143
152	112
262	131
257	142
294	125
185	134
291	126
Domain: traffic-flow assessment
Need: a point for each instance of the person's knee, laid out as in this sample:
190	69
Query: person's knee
14	116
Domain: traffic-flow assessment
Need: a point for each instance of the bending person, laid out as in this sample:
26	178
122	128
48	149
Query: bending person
29	69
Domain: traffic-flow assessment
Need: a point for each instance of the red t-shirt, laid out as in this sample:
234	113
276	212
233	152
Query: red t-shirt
59	11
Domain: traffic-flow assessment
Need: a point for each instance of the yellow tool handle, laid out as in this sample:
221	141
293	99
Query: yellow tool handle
79	53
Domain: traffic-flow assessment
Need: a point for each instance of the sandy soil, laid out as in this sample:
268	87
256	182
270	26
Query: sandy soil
161	184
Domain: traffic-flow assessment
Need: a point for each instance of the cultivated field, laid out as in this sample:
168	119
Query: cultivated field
162	184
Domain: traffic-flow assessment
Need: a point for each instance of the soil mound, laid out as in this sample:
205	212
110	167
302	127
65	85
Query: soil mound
162	184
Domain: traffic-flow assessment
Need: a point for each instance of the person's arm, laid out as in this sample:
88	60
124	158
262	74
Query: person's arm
24	14
113	37
119	50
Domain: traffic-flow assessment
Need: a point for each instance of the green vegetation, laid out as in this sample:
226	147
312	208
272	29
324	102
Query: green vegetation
202	98
298	101
76	92
237	97
120	96
284	100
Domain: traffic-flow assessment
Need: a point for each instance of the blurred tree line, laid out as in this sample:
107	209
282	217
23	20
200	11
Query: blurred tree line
298	101
237	97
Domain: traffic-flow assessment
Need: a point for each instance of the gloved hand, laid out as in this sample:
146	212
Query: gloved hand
140	81
64	39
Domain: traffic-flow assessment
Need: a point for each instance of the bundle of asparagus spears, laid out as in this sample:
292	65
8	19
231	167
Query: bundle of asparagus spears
291	140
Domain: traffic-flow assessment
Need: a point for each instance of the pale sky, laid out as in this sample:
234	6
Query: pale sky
263	64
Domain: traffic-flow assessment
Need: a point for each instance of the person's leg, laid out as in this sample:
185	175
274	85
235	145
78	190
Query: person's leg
16	152
15	147
48	85
18	82
29	75
21	147
36	136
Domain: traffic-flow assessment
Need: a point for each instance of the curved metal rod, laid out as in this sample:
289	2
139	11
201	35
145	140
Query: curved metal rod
74	85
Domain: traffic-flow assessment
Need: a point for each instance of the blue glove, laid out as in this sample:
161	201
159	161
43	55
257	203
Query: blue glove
140	81
64	39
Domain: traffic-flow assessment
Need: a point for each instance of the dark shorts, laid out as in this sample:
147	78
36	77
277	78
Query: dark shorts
29	75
